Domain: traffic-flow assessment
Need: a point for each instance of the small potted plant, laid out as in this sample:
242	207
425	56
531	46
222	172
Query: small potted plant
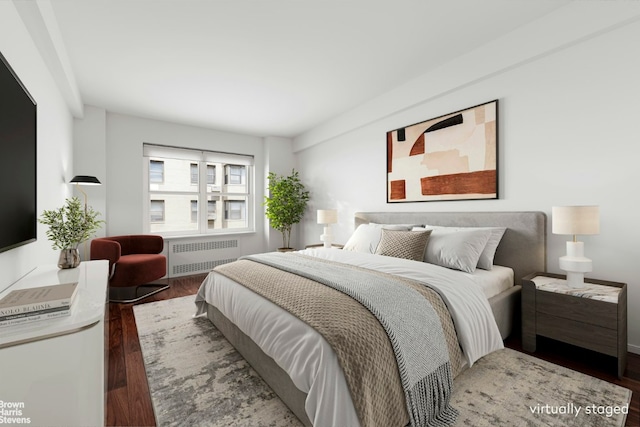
69	226
286	203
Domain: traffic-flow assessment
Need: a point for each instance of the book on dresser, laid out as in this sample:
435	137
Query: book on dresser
40	303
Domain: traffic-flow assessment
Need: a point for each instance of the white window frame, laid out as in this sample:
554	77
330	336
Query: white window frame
202	158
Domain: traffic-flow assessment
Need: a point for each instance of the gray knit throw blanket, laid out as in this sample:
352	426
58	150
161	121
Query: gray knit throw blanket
409	320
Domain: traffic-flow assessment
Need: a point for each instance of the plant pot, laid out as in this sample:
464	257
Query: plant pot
69	258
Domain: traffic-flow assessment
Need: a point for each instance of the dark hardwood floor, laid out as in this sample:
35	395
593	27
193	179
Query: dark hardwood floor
129	401
128	398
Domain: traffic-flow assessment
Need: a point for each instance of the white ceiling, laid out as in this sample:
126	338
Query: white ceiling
268	67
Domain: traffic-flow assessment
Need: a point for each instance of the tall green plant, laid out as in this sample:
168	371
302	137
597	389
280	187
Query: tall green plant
286	203
70	225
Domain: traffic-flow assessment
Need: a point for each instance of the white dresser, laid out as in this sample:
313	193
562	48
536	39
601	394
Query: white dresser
54	372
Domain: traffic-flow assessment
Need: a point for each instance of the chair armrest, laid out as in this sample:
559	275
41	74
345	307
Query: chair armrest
106	249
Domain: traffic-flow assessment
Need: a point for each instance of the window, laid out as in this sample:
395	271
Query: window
211	174
185	195
156	171
194	173
194	211
156	211
234	175
234	209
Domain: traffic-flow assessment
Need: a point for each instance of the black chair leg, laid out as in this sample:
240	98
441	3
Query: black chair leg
129	294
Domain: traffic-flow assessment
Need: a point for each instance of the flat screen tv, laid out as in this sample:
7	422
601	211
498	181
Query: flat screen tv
18	215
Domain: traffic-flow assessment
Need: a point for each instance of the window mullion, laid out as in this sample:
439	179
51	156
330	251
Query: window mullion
202	197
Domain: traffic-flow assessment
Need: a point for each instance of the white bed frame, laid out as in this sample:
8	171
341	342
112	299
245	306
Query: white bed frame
522	248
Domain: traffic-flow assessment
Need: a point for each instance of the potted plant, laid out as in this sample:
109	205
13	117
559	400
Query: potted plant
285	204
69	226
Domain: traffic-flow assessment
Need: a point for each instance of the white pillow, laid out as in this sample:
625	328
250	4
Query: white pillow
367	236
486	257
456	249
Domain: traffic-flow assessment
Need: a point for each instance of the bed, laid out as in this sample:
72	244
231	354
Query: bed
260	330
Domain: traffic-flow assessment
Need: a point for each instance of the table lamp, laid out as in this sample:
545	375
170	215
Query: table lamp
574	220
327	217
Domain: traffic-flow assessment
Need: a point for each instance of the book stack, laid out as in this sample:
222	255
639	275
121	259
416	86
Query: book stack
35	304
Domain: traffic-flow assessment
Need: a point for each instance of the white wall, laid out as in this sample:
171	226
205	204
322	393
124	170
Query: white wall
55	134
90	158
567	135
279	159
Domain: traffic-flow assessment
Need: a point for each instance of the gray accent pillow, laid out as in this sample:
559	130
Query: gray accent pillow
459	249
403	244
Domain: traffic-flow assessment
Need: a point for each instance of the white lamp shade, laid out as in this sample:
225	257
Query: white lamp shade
575	220
327	216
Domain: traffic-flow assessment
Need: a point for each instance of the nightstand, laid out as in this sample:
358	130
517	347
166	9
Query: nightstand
593	317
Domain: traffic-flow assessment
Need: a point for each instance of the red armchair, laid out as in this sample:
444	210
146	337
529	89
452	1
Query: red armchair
134	262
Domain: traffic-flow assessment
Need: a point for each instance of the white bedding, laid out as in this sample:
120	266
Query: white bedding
307	357
493	281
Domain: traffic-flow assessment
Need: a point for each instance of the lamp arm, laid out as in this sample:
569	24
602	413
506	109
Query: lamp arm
85	197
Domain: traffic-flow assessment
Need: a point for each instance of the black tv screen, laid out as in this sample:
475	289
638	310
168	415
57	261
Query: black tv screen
18	215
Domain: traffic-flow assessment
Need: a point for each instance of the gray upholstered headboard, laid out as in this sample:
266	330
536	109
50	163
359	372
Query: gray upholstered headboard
523	246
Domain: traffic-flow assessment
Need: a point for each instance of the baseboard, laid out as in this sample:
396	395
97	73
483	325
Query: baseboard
635	349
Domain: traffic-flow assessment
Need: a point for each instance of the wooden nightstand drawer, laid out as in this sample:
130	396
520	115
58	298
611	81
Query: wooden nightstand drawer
593	316
593	312
593	337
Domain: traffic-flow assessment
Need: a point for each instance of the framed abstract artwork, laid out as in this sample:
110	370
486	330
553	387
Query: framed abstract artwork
451	157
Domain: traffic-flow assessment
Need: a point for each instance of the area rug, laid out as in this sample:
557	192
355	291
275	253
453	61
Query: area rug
196	378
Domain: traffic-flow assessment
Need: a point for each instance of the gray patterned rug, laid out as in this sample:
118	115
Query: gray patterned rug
197	379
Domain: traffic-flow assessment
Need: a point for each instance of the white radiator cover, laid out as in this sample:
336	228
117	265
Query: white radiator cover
194	256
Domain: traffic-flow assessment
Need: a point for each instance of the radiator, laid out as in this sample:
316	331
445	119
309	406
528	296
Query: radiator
186	257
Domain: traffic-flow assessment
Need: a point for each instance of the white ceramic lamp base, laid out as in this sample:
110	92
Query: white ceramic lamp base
575	264
327	238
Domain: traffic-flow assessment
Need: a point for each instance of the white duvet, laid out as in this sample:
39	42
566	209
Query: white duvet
307	357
